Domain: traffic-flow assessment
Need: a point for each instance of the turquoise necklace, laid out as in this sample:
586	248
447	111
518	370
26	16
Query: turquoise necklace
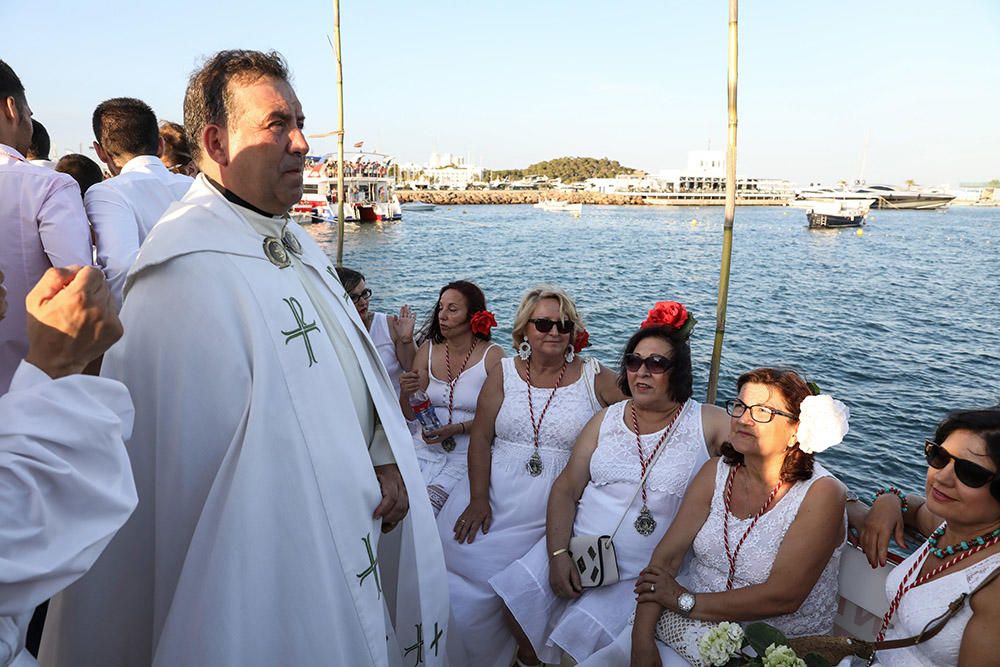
964	545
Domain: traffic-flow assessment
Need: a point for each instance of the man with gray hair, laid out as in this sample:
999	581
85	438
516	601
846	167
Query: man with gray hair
269	450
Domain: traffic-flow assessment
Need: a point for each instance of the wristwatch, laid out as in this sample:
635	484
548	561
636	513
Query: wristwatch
685	603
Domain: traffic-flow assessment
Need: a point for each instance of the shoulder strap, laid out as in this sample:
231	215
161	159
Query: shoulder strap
591	368
656	457
935	625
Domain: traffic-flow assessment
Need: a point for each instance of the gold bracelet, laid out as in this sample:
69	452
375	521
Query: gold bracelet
557	552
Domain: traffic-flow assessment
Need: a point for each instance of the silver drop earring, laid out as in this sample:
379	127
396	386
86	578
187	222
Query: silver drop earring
524	350
570	354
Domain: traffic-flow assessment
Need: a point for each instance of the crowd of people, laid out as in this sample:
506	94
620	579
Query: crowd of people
255	476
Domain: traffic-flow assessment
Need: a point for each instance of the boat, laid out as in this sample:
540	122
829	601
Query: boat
368	189
884	196
417	206
559	205
838	213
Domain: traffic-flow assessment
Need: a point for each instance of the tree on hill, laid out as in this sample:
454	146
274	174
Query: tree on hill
568	169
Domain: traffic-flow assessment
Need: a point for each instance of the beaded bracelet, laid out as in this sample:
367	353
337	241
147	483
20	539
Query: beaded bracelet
896	492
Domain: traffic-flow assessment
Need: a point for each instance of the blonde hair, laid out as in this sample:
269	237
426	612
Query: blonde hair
567	310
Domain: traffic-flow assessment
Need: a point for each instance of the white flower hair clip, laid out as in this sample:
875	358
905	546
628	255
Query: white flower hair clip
823	423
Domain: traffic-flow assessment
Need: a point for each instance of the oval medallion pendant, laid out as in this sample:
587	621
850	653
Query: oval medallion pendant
645	524
289	241
448	444
275	253
534	465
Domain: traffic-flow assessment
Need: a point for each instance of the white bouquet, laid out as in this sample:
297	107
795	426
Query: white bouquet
721	643
782	656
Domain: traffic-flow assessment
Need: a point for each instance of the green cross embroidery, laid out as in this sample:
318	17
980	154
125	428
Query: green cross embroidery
303	329
372	566
437	636
418	646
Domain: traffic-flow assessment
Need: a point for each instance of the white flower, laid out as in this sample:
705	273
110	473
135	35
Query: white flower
823	423
782	656
720	643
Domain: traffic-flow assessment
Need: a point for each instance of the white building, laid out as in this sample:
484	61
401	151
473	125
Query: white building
446	171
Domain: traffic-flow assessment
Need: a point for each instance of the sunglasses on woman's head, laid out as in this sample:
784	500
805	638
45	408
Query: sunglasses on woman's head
971	474
655	363
544	325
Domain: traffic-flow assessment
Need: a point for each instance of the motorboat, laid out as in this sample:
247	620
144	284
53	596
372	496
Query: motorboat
838	213
559	205
887	196
417	206
368	190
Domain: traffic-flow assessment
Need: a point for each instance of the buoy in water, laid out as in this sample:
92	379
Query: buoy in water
694	222
860	232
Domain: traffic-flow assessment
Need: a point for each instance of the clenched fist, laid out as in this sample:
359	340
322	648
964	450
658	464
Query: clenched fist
71	320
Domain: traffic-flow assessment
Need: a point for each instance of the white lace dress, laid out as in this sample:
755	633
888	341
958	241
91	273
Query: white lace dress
443	470
582	626
710	568
518	502
926	602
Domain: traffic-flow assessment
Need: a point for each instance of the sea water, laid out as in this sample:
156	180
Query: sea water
900	322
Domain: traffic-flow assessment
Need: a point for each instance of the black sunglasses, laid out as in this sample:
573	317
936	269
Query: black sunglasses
760	413
655	363
544	325
365	294
971	474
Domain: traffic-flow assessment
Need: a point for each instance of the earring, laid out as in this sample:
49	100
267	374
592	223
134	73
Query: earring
524	350
570	354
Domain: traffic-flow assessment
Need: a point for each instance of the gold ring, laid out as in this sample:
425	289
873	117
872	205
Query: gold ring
652	588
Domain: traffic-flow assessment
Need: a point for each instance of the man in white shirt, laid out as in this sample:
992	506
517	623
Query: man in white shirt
38	151
124	208
268	449
65	481
42	222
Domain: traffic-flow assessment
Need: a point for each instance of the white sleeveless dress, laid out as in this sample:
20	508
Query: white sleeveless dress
443	470
926	602
582	626
710	569
518	501
385	347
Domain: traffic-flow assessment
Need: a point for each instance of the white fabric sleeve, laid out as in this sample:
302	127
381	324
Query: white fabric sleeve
379	449
66	484
62	225
116	235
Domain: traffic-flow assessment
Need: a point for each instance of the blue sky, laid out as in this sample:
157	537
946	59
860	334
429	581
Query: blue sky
521	81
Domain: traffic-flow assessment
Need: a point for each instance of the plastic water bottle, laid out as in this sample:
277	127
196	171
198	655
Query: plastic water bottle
425	414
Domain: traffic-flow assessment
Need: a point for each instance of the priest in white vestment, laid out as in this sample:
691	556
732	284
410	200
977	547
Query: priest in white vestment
65	481
268	450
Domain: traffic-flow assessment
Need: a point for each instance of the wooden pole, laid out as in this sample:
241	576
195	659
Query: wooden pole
340	134
727	230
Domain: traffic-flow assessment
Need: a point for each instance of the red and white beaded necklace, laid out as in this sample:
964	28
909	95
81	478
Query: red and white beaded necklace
534	464
731	556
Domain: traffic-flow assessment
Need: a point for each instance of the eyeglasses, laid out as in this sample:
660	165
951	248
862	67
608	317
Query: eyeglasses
544	325
655	363
971	474
364	294
760	413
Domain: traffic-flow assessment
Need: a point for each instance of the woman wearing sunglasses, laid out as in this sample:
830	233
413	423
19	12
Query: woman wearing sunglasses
601	487
961	514
531	410
392	334
765	524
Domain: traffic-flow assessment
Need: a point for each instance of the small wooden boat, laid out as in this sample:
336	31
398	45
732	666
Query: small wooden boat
838	213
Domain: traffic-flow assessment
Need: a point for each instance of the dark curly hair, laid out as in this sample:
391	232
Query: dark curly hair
797	465
680	378
474	298
985	423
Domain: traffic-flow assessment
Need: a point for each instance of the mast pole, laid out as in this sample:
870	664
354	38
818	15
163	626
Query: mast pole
340	133
727	233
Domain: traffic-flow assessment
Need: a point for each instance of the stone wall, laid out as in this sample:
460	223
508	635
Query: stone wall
467	197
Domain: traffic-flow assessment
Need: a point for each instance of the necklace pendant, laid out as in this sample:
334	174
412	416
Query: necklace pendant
448	444
645	524
534	465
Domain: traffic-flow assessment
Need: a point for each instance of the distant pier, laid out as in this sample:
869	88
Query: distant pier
473	197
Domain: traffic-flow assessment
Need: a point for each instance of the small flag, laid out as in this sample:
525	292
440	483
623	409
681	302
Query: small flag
359	144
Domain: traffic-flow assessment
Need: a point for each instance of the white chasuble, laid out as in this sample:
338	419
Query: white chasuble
253	542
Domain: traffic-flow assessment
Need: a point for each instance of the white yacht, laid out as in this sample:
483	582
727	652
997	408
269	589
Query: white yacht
885	196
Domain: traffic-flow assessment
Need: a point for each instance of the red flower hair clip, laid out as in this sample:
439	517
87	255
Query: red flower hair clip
581	341
482	322
670	314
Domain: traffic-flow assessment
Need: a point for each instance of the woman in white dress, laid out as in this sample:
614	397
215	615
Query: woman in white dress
550	610
530	412
961	513
391	334
451	366
765	524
